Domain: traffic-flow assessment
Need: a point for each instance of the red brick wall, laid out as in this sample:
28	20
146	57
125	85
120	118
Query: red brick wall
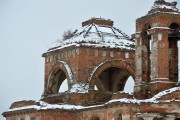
84	60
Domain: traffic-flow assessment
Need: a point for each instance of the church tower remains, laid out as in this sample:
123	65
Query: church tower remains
157	36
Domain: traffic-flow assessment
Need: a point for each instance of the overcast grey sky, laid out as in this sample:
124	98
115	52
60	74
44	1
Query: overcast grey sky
28	27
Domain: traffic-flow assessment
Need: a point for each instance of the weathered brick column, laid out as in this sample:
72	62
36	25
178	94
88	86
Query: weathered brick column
141	84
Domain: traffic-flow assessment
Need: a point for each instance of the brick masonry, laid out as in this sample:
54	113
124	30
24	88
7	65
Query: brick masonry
153	66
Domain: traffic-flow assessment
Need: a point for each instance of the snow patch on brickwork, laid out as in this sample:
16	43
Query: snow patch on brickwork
159	95
151	100
46	106
95	69
79	88
134	101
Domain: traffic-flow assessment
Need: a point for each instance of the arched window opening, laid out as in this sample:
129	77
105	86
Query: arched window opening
112	79
58	78
95	118
129	86
173	52
64	86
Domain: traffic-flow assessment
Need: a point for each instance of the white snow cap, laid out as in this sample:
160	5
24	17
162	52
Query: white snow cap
97	35
161	4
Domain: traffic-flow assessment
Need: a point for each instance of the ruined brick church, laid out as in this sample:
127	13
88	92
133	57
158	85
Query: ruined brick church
97	60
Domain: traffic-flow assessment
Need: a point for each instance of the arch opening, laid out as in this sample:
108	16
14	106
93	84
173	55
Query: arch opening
59	82
112	79
173	39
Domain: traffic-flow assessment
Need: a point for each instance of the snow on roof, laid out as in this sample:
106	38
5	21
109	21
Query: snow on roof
45	106
163	6
169	7
97	36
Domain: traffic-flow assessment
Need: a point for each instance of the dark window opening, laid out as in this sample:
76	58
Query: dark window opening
174	26
175	33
